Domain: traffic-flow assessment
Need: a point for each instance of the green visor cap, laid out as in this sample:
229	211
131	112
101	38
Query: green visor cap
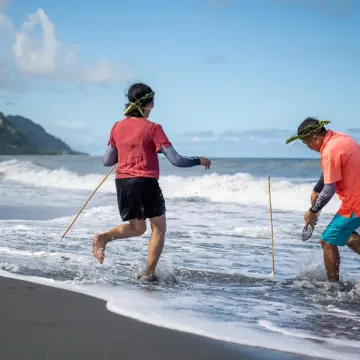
309	131
137	104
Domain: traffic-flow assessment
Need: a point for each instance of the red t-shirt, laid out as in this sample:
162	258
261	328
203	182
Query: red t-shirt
137	141
340	161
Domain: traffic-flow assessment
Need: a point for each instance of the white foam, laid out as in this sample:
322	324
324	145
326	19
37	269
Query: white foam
41	254
333	308
231	239
238	188
28	173
302	335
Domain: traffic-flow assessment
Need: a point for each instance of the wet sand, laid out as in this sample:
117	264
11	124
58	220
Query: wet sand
46	323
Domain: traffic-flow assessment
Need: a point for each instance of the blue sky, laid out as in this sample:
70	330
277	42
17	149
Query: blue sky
232	78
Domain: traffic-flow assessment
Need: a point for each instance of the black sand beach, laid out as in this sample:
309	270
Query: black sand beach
41	322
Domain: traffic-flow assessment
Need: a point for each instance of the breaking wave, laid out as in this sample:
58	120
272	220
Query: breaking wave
240	188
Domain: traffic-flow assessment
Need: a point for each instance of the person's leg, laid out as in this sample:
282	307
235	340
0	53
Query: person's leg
337	233
154	210
133	228
156	243
331	260
131	209
354	242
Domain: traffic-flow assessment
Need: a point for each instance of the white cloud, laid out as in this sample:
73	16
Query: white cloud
5	23
237	135
69	125
46	56
241	143
197	139
32	58
105	71
79	135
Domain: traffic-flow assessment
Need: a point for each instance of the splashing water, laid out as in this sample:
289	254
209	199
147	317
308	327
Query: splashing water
214	277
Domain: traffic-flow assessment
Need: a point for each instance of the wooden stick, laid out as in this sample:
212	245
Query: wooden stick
88	200
272	231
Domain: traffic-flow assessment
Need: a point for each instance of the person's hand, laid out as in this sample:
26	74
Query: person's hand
310	218
205	162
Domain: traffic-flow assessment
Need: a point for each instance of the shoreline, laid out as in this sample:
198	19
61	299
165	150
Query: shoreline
45	322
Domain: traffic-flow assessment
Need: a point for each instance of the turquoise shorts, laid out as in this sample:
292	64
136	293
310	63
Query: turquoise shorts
339	230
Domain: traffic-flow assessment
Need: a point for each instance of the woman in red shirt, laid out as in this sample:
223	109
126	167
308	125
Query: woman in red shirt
134	144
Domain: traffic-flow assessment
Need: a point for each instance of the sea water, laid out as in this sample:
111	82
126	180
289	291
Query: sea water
216	269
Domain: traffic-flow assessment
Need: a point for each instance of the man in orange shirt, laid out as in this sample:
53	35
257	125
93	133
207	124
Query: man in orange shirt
340	162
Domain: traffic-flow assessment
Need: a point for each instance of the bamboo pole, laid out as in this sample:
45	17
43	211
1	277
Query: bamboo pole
272	230
107	175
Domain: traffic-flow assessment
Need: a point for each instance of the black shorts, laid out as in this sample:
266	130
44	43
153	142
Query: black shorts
139	198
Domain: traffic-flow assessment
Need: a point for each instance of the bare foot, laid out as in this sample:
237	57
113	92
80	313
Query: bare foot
99	244
148	278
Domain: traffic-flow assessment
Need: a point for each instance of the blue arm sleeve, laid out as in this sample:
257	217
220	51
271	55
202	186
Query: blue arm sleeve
319	185
178	160
110	156
324	197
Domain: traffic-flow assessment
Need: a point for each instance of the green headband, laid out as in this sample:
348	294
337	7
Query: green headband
136	105
309	131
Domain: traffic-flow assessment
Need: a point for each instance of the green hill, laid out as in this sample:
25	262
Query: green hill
21	136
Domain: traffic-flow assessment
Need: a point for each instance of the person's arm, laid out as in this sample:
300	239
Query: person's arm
110	157
324	197
163	145
178	160
332	173
317	189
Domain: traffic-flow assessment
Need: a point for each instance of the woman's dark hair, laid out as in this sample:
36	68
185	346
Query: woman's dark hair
139	95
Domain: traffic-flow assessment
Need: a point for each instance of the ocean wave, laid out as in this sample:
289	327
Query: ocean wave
31	174
240	188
